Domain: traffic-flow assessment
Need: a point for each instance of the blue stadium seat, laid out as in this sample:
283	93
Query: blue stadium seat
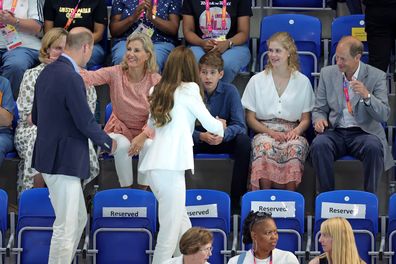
298	3
3	219
211	209
359	208
306	32
391	233
34	228
123	226
287	209
343	26
108	111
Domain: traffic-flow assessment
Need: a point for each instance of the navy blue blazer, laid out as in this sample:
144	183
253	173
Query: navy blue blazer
64	122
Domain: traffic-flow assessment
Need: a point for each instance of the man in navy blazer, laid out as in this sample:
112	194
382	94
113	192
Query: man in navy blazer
64	124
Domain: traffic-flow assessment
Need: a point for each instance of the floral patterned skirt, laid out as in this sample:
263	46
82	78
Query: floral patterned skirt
279	162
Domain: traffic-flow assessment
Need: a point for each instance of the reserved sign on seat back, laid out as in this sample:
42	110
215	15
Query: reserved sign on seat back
345	210
276	209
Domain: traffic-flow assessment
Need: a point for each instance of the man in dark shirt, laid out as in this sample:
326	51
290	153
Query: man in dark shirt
223	101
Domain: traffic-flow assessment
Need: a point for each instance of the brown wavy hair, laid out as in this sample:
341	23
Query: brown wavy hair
287	42
179	67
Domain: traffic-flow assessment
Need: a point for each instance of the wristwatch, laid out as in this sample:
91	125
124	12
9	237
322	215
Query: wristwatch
17	21
230	43
367	100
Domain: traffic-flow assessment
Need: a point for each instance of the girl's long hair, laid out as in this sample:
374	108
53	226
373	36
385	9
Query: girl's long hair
179	67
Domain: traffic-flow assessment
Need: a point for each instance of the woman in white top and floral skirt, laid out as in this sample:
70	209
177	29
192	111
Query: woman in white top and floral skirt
278	102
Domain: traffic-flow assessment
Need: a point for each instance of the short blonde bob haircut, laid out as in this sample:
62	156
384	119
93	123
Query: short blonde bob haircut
148	46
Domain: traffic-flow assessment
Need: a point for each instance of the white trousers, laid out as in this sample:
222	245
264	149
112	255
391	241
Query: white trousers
70	216
169	188
123	162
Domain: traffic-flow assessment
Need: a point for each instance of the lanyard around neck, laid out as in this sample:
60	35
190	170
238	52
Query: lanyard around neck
72	16
209	17
345	87
13	6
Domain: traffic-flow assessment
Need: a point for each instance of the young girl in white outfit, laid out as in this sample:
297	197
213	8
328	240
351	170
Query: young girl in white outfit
175	104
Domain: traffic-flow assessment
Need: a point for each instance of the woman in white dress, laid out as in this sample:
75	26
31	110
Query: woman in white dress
259	229
175	104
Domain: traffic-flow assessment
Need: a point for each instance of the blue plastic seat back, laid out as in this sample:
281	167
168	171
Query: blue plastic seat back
35	210
392	224
306	32
210	209
343	26
108	111
123	208
3	214
287	209
358	207
298	3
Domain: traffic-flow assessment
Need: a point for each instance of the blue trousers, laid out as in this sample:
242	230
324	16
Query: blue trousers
97	57
6	144
234	59
14	63
161	49
335	143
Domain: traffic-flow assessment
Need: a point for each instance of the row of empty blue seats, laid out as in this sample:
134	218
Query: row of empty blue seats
124	223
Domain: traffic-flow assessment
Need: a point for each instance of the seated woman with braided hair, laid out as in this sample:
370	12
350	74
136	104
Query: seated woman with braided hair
259	229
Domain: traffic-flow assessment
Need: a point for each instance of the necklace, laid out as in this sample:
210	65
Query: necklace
280	84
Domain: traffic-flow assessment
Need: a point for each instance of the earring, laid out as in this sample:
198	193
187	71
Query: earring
254	245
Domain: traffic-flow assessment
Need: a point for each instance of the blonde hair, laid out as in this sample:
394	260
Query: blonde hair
52	36
193	239
343	248
287	42
151	63
179	67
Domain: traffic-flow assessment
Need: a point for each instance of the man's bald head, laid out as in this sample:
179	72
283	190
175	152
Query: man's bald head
354	45
78	37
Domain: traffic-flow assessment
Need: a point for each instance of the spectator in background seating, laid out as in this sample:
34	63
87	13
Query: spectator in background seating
52	46
196	247
278	102
223	101
219	25
6	116
380	23
19	52
160	22
91	14
338	243
259	229
351	103
129	85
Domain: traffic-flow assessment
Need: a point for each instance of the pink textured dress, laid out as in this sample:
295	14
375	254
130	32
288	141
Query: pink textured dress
129	100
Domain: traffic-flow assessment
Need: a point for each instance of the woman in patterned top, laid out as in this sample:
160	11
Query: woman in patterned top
52	46
129	85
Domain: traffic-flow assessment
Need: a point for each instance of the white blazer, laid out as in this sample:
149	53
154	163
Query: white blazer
172	146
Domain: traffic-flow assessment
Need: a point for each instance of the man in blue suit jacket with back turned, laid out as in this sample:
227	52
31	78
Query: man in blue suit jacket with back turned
64	124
